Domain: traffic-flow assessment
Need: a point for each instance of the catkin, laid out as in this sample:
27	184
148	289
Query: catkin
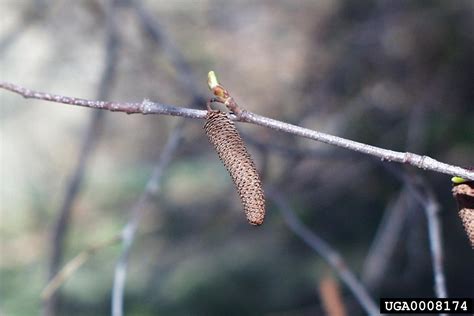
231	149
464	195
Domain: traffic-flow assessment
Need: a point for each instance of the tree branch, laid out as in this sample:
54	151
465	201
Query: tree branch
89	142
326	251
424	195
385	240
128	232
149	107
431	208
73	265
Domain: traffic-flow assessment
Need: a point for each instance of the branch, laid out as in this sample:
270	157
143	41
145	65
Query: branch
137	212
423	194
385	240
431	208
68	270
332	257
144	107
148	107
89	141
73	265
186	78
62	220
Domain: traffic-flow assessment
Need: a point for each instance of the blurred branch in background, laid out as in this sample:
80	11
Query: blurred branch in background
385	240
186	77
422	192
392	74
152	188
331	296
69	268
148	107
325	250
91	138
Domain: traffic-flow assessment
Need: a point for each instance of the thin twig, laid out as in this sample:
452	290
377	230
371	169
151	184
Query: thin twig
68	270
90	140
186	78
326	251
423	162
431	207
388	233
148	107
425	196
75	263
137	212
62	221
301	153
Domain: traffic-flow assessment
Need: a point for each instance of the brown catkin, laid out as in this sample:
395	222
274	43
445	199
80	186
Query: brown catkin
231	149
464	195
467	217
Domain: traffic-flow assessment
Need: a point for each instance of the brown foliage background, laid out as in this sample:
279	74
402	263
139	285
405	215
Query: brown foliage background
396	74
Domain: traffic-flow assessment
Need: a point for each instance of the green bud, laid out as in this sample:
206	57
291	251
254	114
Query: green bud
458	180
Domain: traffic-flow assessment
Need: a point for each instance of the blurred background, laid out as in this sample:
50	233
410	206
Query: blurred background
394	74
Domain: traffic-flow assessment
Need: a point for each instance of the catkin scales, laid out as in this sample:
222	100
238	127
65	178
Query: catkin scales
231	149
464	195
